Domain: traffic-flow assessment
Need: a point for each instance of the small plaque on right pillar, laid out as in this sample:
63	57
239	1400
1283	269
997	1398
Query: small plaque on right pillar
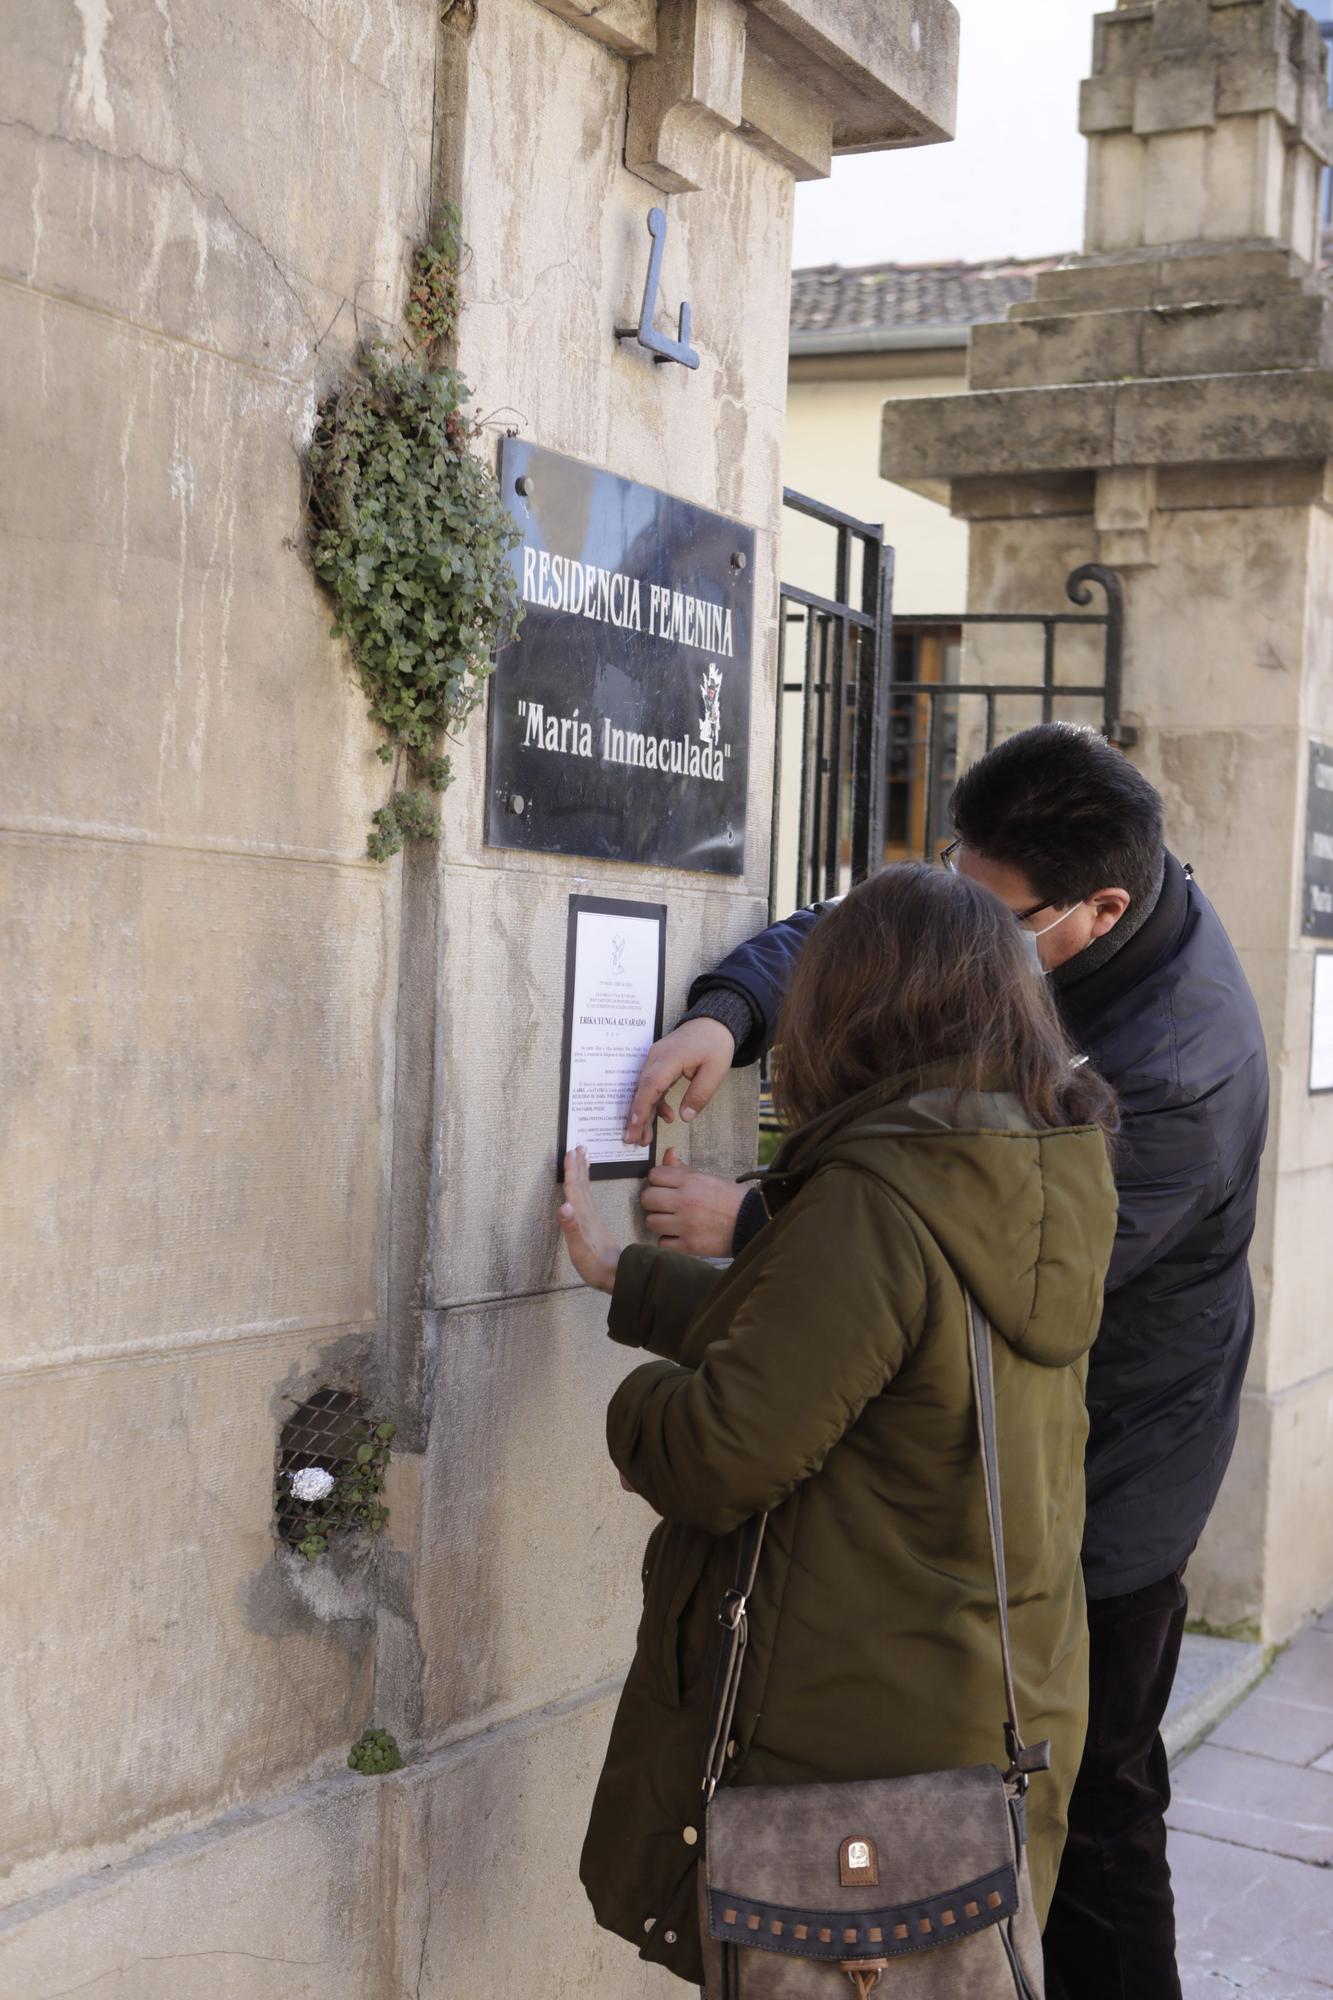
1317	910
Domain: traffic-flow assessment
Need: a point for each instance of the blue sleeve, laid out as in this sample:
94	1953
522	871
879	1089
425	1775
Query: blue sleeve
761	970
751	1217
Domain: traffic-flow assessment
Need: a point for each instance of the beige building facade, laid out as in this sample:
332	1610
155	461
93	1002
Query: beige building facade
859	338
279	1119
1164	405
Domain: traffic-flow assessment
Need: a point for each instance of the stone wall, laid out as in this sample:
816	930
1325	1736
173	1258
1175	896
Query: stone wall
202	965
277	1116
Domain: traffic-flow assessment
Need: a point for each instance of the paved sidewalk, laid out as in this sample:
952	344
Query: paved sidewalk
1252	1839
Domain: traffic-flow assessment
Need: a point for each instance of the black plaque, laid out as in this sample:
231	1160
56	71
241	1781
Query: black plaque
620	716
1317	916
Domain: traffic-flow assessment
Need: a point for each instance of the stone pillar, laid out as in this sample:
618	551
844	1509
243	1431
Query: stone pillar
275	1114
1165	405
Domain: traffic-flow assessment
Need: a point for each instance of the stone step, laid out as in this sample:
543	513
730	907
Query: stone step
1212	1677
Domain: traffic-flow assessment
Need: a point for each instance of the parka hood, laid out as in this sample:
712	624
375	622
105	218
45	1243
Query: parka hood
1018	1211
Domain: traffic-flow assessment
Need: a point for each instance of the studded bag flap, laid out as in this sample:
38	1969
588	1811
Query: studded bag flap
807	1891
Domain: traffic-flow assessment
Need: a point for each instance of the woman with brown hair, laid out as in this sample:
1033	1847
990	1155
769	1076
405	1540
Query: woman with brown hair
945	1139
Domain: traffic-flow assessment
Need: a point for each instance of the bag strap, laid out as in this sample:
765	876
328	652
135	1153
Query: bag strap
734	1612
981	1361
733	1615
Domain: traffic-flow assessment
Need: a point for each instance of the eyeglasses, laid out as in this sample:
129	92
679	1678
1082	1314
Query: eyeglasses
949	858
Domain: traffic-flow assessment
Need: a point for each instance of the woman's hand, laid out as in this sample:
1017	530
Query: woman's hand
592	1251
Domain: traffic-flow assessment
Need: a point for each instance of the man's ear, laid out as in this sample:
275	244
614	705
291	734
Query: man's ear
1108	907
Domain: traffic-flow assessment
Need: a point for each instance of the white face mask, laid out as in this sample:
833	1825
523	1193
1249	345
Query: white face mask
1030	940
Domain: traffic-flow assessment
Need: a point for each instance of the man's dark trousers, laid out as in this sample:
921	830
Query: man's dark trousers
1111	1934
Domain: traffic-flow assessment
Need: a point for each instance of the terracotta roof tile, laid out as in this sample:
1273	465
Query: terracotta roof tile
875	298
880	298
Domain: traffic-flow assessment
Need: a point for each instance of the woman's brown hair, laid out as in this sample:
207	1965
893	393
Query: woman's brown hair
920	966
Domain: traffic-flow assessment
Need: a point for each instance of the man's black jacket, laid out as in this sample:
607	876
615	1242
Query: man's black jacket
1171	1024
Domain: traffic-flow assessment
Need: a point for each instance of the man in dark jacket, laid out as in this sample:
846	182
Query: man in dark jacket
1068	834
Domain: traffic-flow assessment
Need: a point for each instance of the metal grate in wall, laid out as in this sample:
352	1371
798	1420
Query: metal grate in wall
322	1433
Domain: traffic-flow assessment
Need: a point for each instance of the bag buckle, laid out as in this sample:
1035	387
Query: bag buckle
732	1609
1024	1759
864	1974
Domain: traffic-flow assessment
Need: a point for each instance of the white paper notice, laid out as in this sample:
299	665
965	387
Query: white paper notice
1321	1039
614	1021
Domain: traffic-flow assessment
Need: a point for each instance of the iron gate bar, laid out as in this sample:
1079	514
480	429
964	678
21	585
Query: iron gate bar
828	605
1031	689
870	747
842	640
844	709
813	755
848	690
817	510
1078	591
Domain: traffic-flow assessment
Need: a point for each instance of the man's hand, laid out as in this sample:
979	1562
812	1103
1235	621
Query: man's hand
690	1211
700	1050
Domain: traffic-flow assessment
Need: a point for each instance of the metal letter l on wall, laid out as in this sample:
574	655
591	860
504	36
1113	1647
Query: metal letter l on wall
660	345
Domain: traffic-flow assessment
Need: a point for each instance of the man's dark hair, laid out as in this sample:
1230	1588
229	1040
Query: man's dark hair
1069	810
917	967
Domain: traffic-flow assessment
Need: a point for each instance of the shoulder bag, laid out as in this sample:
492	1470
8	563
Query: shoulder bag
921	1882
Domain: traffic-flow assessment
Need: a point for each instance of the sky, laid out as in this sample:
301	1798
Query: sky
1010	183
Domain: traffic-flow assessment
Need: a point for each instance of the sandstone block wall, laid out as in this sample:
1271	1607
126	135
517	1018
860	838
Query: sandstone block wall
201	964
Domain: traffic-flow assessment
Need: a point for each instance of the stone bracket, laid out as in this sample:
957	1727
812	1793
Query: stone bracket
682	97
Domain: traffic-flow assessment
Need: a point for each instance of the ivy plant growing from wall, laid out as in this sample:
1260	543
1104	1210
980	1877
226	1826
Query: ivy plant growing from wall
412	539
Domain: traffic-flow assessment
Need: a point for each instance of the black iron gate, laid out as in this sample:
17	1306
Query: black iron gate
842	713
875	719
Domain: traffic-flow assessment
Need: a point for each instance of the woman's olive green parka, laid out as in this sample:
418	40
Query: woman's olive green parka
824	1377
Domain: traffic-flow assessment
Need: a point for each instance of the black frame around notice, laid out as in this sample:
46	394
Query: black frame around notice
1316	1089
605	1170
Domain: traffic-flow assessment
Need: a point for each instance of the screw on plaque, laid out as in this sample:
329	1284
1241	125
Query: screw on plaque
525	485
517	803
739	560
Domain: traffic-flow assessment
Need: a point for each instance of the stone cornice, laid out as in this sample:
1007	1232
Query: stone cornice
801	80
1282	415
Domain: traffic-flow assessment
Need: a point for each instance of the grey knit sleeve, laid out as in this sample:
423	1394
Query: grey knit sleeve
732	1009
